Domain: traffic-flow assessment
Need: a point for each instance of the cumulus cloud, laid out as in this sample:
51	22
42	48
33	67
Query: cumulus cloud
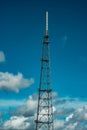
24	116
29	107
73	113
2	56
72	117
72	122
18	123
77	120
79	115
11	82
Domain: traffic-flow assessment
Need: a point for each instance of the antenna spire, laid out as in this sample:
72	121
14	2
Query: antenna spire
46	22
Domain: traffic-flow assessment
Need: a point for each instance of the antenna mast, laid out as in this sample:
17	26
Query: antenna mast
46	22
44	119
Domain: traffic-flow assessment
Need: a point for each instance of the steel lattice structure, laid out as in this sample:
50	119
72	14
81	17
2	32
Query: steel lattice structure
44	119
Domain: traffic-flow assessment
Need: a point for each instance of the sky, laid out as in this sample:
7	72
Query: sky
22	28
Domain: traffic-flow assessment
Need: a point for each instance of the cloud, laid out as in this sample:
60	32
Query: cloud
77	120
79	115
58	124
63	112
55	95
11	82
67	102
1	118
10	103
69	114
18	123
29	107
2	56
74	121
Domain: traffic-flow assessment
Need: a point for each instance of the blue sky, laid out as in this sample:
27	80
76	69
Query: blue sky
22	27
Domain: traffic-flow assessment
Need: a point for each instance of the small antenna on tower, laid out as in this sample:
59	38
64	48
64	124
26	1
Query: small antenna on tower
46	22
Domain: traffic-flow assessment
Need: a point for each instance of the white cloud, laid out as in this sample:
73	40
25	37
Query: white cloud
29	107
72	117
71	126
17	123
55	95
69	117
77	120
72	112
2	56
80	115
58	124
67	102
11	103
11	82
74	121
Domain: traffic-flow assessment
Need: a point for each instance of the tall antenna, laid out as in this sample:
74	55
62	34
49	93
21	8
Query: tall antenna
46	22
44	120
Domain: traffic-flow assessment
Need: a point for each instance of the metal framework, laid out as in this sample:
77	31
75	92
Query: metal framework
44	119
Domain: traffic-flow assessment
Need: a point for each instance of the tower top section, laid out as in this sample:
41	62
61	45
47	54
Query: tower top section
46	23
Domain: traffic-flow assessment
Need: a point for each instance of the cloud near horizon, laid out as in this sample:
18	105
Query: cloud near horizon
72	117
28	109
11	82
